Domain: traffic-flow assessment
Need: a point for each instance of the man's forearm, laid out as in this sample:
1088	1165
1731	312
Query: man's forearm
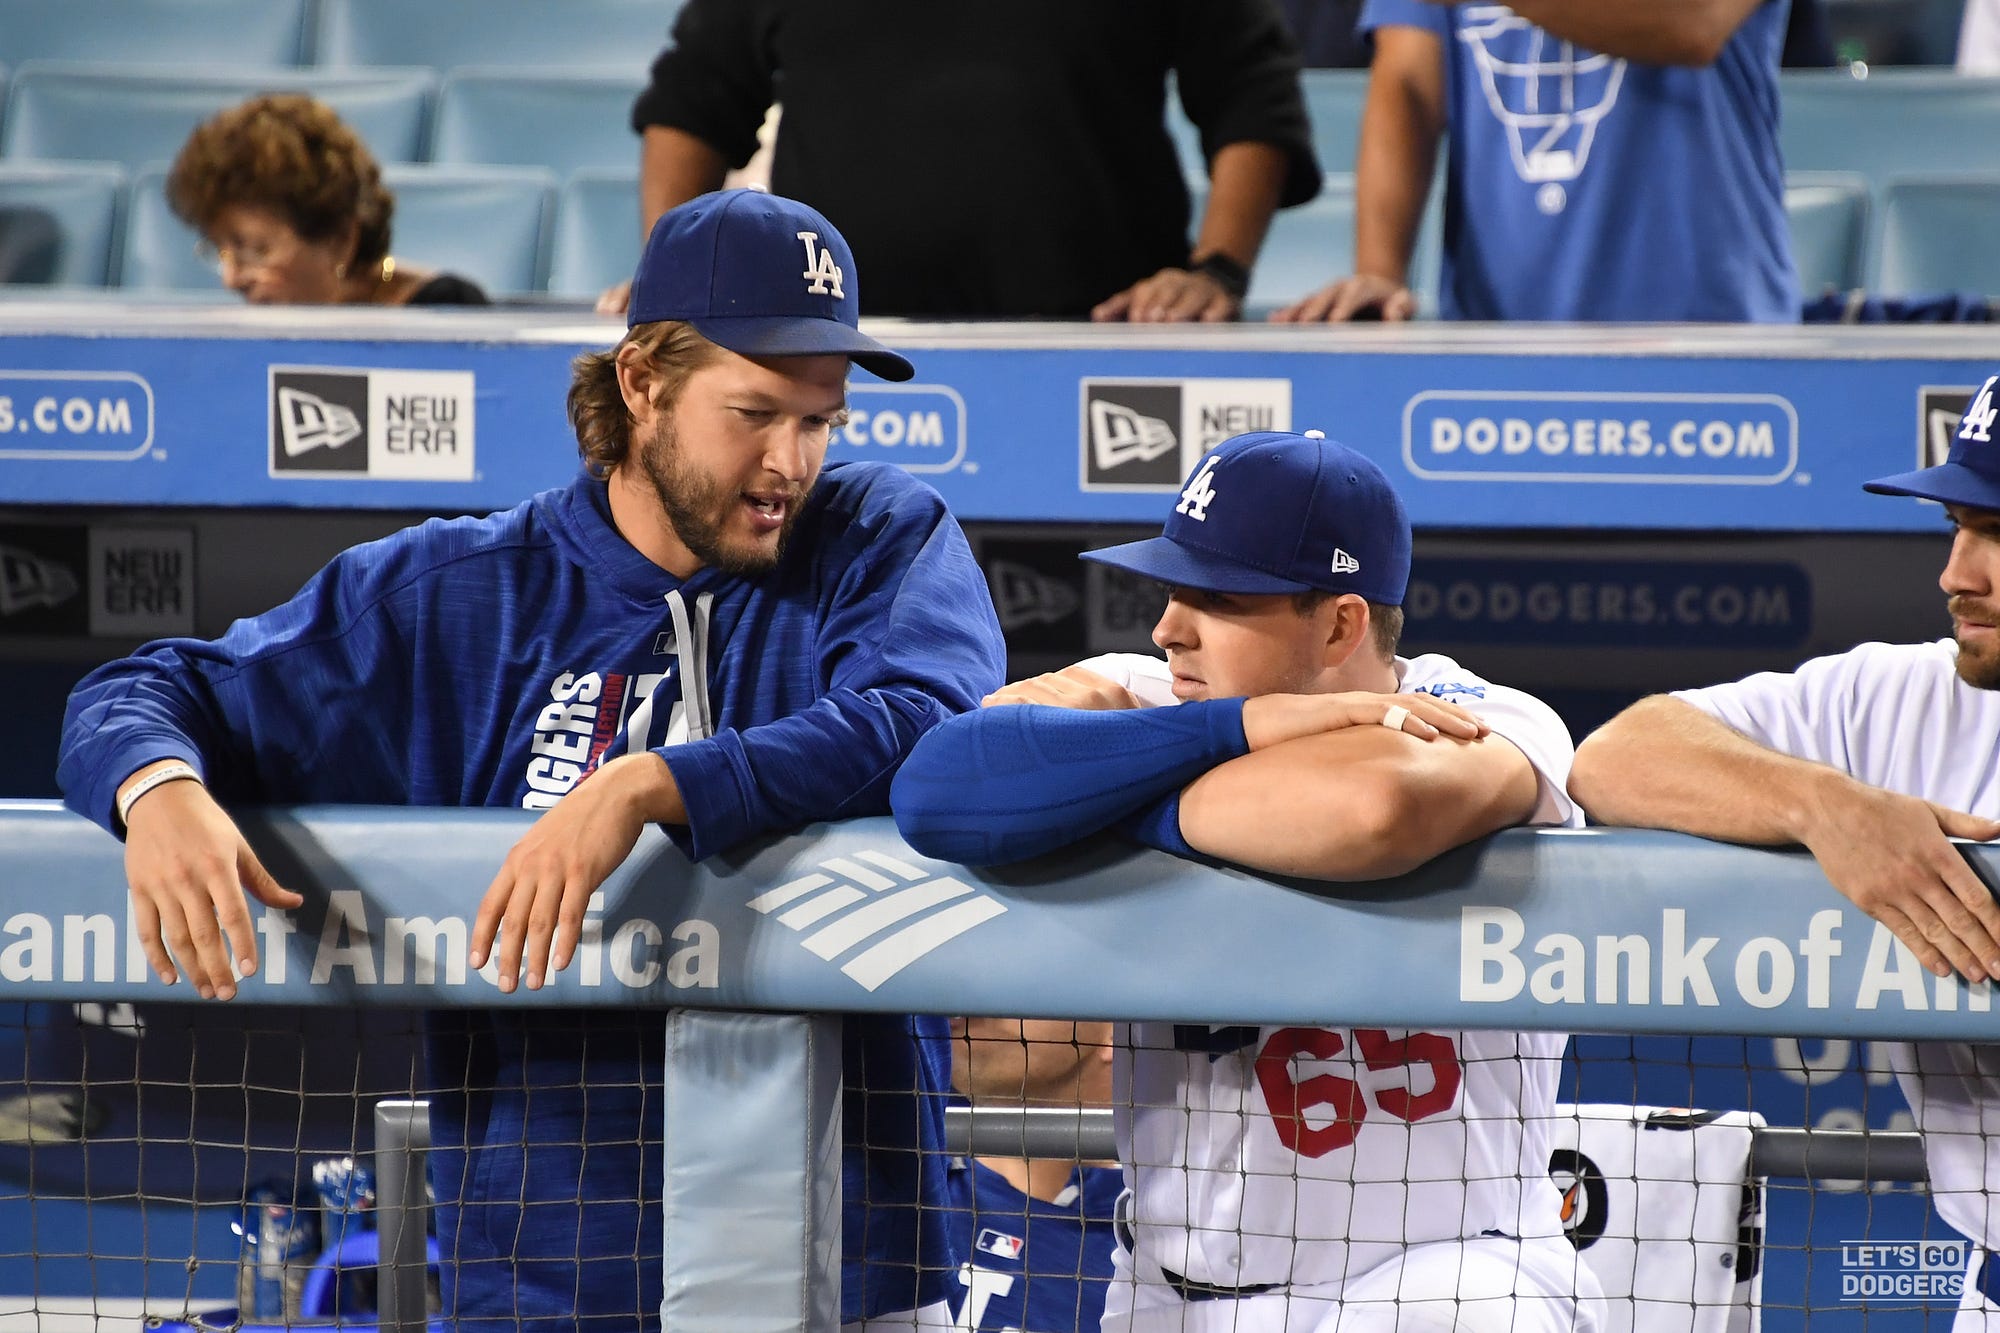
1245	180
1363	803
1400	131
1663	763
1656	32
674	167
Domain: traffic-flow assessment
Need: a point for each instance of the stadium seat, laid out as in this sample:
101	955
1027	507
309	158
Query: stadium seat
1333	104
608	36
490	224
159	248
1828	213
138	115
565	122
597	232
1312	244
1932	233
176	32
1891	123
58	222
1306	248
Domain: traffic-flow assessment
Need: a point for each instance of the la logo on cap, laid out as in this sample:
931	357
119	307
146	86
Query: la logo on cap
1976	425
822	274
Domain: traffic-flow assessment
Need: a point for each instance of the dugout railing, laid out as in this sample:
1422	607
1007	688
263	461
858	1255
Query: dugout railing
752	950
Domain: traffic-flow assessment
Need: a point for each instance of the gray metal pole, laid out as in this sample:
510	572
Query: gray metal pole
402	1215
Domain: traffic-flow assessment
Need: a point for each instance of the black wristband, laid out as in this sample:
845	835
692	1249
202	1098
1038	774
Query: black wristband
1229	275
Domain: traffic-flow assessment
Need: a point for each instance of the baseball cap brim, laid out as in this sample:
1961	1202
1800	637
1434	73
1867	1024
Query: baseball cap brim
1169	562
1947	483
798	335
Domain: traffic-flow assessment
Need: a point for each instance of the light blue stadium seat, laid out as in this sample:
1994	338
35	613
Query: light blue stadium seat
138	115
490	224
1828	215
563	122
1334	98
159	248
608	36
59	221
1937	236
1313	244
177	32
597	232
1306	248
1892	123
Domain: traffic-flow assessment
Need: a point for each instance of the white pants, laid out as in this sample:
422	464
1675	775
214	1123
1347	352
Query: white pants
1485	1285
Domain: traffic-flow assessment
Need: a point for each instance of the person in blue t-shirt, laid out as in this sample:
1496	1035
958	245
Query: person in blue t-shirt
1035	1233
1610	160
705	629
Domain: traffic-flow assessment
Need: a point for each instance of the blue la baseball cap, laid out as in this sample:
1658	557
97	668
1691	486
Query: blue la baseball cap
1274	512
761	275
1970	475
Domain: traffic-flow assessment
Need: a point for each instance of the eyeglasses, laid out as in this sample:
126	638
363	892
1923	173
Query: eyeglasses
242	256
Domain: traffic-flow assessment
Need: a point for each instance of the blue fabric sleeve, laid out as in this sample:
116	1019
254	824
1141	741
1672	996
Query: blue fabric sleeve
912	639
1003	784
1159	825
1405	14
248	709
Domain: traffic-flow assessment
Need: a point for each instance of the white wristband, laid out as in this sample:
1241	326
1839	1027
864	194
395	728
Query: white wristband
158	777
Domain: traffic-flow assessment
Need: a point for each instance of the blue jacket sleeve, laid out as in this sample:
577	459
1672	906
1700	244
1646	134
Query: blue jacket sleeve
251	710
1404	14
1007	783
910	638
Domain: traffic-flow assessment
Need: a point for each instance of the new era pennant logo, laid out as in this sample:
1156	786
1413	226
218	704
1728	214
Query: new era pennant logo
1343	563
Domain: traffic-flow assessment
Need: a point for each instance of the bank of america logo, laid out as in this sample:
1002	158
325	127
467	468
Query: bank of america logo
307	422
856	908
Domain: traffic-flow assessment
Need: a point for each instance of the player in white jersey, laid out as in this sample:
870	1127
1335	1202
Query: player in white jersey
1871	759
1293	1178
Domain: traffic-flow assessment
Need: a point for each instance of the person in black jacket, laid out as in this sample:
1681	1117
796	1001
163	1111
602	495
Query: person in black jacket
997	161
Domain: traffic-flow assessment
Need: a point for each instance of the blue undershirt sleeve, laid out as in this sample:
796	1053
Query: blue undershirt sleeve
1159	825
1007	783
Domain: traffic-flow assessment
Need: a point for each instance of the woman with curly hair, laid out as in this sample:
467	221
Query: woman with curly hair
291	208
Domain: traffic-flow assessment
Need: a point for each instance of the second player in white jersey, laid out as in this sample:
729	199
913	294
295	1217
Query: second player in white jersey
1283	1163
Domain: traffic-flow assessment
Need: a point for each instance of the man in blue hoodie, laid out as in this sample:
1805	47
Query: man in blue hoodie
723	636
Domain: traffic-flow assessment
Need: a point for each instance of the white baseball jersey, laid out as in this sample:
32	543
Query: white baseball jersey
1306	1157
1897	716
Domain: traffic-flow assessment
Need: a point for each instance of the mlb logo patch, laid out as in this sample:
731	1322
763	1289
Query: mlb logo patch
999	1243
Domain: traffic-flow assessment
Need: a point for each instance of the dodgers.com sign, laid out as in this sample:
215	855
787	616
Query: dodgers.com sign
1712	439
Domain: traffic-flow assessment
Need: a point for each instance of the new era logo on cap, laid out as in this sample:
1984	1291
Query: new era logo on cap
1343	563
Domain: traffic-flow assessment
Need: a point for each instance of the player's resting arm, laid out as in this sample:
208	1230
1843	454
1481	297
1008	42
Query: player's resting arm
1664	763
1005	784
1360	803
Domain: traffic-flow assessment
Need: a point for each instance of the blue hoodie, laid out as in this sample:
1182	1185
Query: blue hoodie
491	662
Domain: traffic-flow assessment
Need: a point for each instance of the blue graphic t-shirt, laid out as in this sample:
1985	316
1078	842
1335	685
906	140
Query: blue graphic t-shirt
1582	186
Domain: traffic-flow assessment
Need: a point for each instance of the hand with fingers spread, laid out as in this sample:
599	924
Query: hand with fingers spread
1171	296
1072	687
1363	296
532	914
189	869
1892	856
1272	719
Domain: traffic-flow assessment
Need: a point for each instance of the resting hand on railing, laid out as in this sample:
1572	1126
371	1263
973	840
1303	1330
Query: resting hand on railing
189	867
